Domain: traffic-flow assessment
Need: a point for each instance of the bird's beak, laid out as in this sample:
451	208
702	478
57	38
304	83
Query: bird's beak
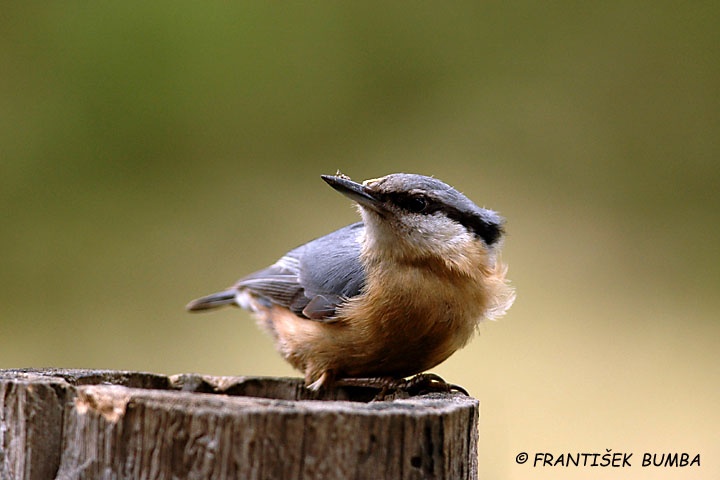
353	190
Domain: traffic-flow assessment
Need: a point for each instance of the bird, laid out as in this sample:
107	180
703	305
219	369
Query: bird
388	297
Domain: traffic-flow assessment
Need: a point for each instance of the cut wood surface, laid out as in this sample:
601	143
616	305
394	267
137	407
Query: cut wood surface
87	424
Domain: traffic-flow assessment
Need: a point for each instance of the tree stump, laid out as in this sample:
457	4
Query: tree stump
83	424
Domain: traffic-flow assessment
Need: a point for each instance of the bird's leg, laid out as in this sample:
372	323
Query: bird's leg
385	385
326	379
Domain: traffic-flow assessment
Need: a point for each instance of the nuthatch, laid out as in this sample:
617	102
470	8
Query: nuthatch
391	296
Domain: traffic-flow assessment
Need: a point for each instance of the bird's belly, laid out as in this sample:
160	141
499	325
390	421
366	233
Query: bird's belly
421	327
406	343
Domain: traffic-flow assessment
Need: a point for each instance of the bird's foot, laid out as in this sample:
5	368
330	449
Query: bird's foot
392	388
431	383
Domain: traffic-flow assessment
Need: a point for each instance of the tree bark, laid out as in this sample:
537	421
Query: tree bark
78	424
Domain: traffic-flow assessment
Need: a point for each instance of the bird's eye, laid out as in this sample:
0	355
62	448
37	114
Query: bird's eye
414	204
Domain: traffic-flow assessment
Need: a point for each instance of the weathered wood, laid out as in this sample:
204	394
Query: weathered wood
75	424
31	415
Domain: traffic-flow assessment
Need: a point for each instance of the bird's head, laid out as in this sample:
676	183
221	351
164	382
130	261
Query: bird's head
413	217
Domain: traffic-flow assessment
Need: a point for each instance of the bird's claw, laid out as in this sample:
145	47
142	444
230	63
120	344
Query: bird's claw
392	388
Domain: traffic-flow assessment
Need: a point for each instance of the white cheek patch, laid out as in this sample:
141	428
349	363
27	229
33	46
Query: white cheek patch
435	233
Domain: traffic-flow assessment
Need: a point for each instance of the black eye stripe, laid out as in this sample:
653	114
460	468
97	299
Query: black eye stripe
413	204
486	229
489	231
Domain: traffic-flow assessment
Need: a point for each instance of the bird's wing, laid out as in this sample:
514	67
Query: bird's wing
313	279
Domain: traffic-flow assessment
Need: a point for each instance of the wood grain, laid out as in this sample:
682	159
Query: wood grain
78	424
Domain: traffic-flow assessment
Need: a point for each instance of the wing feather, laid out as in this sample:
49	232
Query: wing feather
313	279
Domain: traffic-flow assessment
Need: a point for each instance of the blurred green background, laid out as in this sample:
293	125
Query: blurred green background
154	152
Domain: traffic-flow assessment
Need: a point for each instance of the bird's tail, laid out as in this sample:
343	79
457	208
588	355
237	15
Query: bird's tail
219	299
